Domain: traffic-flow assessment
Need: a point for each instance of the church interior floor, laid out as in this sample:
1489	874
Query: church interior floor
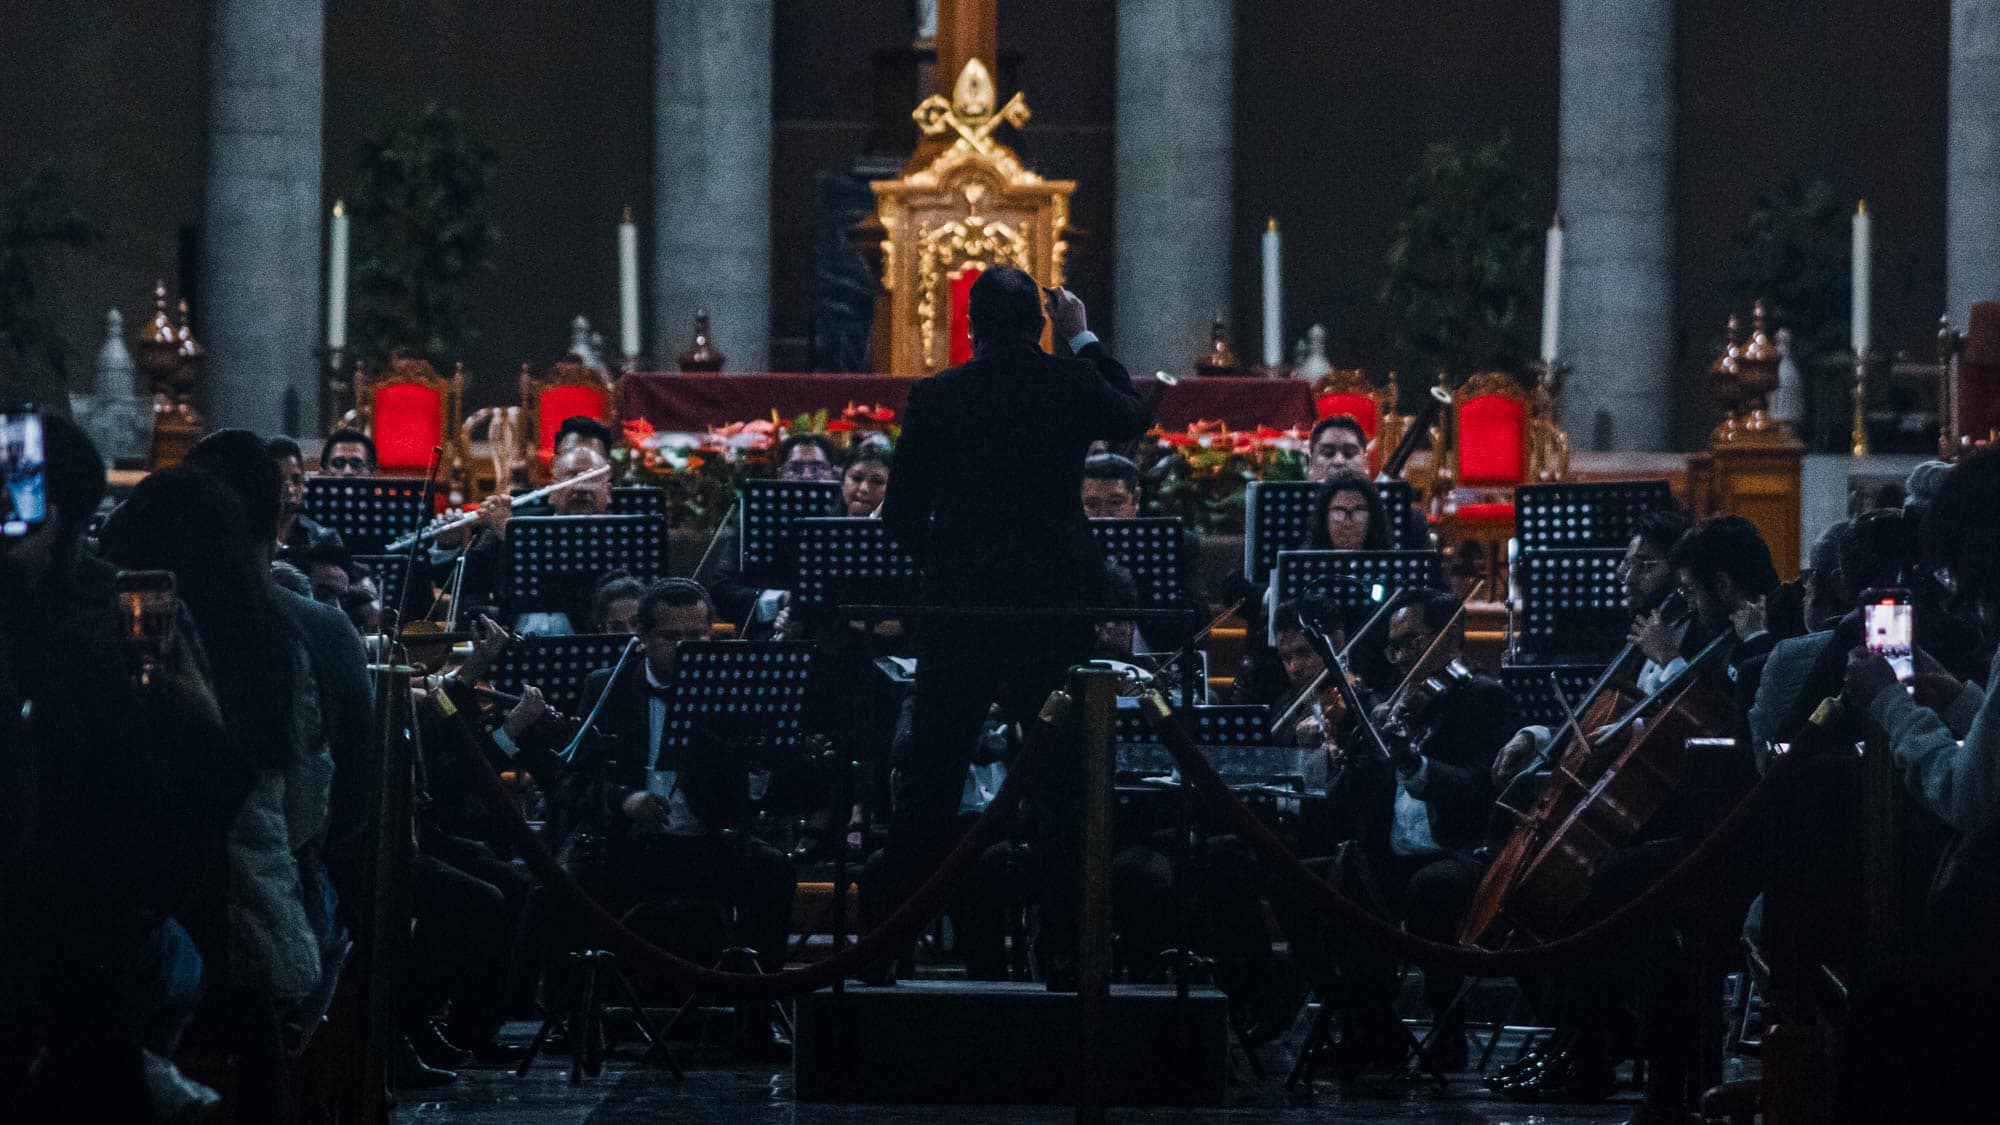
719	1088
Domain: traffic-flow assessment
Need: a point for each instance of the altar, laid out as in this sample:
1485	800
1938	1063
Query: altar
693	403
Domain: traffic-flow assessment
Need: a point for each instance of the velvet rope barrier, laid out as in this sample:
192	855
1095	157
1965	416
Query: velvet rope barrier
637	954
1453	957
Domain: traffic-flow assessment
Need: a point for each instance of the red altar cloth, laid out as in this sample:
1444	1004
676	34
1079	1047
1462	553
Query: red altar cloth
699	402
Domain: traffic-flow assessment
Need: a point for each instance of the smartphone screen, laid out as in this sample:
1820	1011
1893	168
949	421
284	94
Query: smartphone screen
1887	623
24	501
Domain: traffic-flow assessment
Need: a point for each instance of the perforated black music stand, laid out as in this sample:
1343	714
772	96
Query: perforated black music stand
556	665
1151	549
1594	514
1236	740
388	573
368	512
1275	514
639	500
766	512
736	691
550	557
1354	581
1572	605
844	560
1530	684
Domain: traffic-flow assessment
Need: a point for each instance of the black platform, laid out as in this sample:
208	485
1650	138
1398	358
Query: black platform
1006	1043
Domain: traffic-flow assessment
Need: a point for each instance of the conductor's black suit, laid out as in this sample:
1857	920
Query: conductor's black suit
987	494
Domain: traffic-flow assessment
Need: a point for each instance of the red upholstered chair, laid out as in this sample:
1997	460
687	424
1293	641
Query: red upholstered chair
961	318
1490	453
1349	391
409	409
568	389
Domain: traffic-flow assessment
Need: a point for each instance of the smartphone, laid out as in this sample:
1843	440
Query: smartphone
146	602
1888	627
24	498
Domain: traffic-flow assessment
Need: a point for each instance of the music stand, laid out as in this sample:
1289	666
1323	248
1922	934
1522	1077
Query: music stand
735	691
1300	571
549	557
368	512
1597	514
556	665
766	511
1572	604
1398	496
848	559
1275	514
388	573
1151	549
639	500
1235	738
1530	685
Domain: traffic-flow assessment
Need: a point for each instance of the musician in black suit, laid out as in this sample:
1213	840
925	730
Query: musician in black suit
987	496
660	821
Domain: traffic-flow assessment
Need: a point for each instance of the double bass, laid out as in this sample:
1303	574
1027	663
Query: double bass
1608	783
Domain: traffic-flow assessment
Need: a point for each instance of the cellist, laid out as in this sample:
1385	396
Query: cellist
1723	570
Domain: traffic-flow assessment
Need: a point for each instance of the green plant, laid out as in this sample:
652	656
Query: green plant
423	229
35	220
1461	268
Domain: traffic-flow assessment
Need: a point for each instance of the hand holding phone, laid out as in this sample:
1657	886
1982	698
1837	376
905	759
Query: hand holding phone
24	501
1888	628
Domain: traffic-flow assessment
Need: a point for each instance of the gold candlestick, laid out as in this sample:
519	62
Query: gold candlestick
1859	446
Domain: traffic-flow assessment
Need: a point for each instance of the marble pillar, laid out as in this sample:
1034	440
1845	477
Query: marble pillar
712	178
1615	180
1175	121
259	297
1972	159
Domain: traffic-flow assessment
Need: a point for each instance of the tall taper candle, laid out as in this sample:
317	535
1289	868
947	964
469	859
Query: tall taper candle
336	280
628	286
1274	316
1863	278
1552	285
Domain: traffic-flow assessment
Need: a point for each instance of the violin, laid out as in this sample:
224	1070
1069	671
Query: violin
554	723
1417	712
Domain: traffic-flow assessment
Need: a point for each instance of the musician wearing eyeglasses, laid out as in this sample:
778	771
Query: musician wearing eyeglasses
1426	810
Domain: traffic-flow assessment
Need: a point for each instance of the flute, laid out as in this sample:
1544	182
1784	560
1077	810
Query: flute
415	537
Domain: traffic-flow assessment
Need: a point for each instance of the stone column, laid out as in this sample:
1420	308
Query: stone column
712	178
1175	121
1972	160
1615	178
259	299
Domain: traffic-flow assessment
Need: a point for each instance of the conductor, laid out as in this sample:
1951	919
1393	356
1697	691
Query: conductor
987	497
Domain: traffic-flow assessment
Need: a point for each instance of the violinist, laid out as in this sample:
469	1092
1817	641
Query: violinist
1415	859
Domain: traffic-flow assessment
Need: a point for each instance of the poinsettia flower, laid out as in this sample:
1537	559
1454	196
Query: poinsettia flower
840	426
637	431
1178	440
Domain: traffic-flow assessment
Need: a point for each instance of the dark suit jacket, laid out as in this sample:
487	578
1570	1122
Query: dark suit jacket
987	491
1474	721
626	753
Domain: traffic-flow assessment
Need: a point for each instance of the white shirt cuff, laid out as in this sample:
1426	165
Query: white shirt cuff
1082	340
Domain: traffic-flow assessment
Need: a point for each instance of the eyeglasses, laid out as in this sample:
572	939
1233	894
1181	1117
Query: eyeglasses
342	464
808	470
1342	515
1414	642
1639	565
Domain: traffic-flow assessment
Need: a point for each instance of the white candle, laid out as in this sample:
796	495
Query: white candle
1863	276
628	286
336	280
1552	272
1274	317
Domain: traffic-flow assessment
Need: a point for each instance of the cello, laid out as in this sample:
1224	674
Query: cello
1608	784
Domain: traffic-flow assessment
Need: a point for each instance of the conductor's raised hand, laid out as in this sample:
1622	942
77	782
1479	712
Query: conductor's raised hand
1066	312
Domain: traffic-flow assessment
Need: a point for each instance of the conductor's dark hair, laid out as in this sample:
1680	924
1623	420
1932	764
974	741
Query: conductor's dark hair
1727	545
242	461
1337	422
1005	304
1960	531
285	449
1436	606
1110	466
350	436
818	441
672	593
1316	537
587	428
1662	528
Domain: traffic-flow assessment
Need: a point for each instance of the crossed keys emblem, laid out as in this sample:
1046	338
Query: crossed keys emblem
970	110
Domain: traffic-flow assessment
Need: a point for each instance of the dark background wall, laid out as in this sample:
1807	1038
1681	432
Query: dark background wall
1335	100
